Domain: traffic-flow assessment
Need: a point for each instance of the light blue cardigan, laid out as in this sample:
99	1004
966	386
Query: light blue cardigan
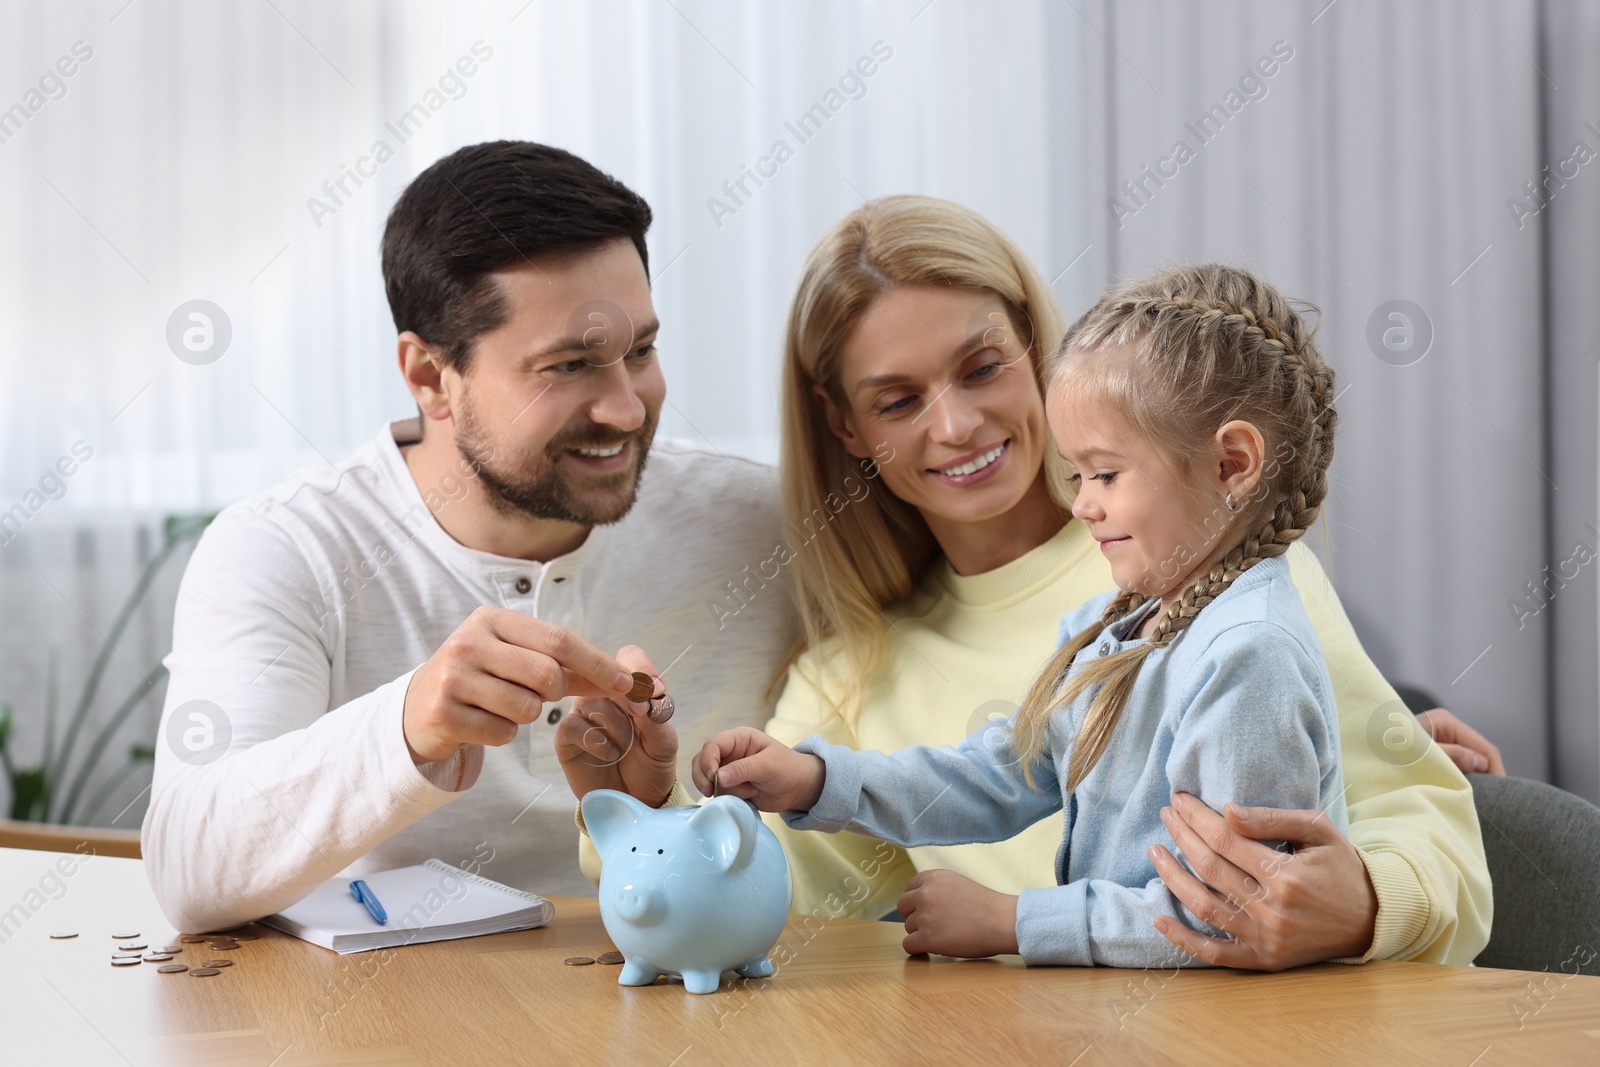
1237	708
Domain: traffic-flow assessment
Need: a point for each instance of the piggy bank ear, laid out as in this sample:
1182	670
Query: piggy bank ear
728	826
608	814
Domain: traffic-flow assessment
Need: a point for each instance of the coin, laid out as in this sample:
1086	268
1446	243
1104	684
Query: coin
644	687
172	968
661	709
224	946
130	956
124	937
132	948
125	961
158	957
247	935
579	961
218	963
192	939
168	948
609	957
61	935
204	972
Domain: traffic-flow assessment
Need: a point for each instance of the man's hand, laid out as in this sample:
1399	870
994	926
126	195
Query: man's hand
612	744
1466	747
493	675
952	915
1283	909
753	766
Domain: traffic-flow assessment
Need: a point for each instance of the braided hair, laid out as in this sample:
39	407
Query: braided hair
1178	356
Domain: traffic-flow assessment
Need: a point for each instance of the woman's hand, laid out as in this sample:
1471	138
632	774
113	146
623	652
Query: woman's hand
1283	909
604	744
1466	747
747	763
952	915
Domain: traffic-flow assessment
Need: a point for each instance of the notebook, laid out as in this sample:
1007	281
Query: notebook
432	901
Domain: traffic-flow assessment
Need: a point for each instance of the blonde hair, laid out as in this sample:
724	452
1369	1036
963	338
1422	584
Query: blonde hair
1178	356
879	546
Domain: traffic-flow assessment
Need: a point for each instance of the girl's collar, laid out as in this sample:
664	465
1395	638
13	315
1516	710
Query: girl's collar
1129	624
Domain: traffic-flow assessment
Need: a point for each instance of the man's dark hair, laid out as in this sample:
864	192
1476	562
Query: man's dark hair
484	208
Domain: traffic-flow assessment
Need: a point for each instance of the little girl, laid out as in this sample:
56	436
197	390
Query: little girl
1198	418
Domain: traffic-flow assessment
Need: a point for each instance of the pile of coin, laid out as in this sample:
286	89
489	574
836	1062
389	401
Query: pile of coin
584	961
130	951
644	689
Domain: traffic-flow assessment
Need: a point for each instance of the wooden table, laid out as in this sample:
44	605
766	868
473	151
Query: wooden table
849	995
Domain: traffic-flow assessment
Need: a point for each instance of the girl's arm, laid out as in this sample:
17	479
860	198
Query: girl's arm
1409	883
973	792
1257	728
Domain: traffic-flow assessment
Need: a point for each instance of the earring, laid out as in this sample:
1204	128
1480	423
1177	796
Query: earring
1230	503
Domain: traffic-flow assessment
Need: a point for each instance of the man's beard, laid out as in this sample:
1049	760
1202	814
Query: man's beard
534	485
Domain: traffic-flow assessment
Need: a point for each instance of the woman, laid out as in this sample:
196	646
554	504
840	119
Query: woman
931	599
918	327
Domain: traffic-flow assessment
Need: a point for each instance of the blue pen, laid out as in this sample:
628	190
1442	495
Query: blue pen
363	893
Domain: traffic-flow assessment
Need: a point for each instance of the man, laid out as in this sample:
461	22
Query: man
370	661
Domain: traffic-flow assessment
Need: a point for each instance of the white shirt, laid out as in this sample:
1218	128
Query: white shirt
303	613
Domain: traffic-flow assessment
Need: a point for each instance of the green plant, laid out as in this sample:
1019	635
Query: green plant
44	793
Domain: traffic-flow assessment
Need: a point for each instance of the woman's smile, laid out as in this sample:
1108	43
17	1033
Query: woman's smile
974	467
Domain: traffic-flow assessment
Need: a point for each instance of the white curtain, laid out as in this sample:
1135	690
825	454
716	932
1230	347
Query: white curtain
1387	158
186	156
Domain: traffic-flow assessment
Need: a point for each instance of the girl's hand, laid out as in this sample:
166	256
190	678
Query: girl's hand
952	915
747	763
605	744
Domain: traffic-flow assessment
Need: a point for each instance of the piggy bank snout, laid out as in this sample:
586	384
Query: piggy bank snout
639	905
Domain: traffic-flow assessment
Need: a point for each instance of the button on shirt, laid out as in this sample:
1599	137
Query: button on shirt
305	610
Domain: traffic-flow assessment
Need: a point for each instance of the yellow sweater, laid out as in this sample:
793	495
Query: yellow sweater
963	650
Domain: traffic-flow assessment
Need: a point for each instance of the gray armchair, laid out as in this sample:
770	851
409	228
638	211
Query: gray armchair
1543	847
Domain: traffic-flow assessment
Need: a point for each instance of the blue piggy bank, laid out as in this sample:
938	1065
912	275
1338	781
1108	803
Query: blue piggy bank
693	891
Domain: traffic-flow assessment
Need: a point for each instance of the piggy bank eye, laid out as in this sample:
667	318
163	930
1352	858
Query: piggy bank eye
635	848
659	851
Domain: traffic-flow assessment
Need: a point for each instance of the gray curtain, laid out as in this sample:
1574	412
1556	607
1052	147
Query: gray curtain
1375	158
